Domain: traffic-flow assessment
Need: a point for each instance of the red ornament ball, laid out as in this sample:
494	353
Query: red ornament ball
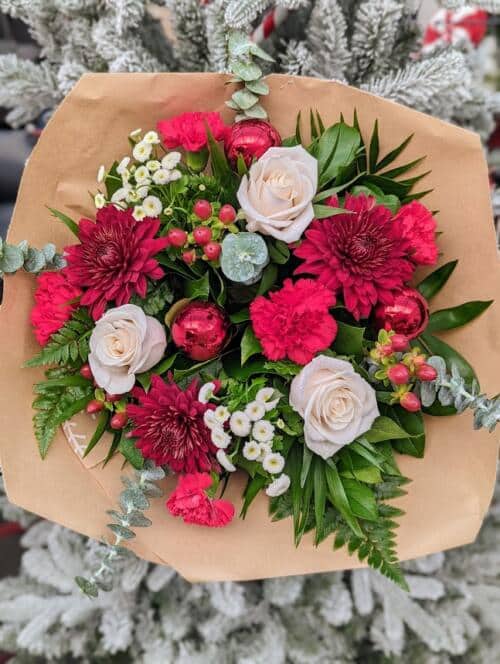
408	314
250	139
200	330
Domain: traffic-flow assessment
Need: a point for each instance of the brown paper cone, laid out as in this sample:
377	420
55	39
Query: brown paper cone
451	487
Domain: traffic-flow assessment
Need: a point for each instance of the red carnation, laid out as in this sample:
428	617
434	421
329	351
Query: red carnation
54	303
115	258
294	322
362	254
170	428
190	501
188	130
418	226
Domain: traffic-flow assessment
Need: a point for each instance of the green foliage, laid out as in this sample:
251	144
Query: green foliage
349	339
447	319
156	300
15	257
434	282
250	345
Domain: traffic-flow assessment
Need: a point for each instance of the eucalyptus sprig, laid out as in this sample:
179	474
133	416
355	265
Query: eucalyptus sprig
14	257
241	64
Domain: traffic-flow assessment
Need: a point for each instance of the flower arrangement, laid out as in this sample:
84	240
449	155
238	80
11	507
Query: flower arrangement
249	302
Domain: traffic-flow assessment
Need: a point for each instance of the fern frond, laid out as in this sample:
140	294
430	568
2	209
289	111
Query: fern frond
68	346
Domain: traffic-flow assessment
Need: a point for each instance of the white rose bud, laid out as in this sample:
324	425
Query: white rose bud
276	195
124	342
336	403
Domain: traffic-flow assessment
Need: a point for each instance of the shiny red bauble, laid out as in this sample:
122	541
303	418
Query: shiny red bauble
408	314
250	139
200	330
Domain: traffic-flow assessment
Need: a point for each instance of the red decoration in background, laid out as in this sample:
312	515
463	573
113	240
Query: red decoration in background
10	528
452	27
200	330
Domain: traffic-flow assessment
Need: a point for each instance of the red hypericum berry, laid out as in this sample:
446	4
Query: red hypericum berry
212	251
177	237
189	257
202	235
410	402
399	342
386	350
418	360
227	214
398	374
202	209
112	398
86	372
425	372
94	406
118	421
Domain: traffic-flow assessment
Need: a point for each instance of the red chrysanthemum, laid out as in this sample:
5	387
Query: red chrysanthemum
188	130
54	303
190	501
170	428
361	254
114	259
294	322
418	226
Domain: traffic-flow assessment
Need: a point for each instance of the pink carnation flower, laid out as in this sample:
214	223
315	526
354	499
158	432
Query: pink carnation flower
54	303
418	226
190	501
188	130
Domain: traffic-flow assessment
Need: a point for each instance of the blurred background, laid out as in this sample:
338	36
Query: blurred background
442	59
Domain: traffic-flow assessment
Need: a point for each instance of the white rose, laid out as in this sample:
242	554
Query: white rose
277	193
336	403
123	343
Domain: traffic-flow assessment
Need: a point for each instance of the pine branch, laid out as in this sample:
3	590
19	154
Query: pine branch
216	33
326	41
241	13
68	346
190	46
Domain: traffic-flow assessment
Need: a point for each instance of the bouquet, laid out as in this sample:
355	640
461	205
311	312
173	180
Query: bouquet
247	303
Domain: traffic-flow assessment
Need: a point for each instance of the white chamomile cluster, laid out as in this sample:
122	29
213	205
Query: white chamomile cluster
249	432
140	176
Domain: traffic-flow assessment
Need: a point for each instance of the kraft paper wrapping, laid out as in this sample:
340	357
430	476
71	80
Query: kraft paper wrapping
451	487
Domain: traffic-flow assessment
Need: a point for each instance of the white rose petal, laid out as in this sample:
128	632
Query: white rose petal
153	165
161	176
336	403
224	461
206	392
209	420
171	160
99	201
222	414
265	396
152	205
255	410
251	450
280	486
276	195
274	463
239	423
220	438
151	137
124	342
101	173
263	431
139	213
142	151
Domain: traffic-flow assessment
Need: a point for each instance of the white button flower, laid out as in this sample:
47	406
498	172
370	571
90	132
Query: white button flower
142	151
122	166
99	201
101	173
142	191
142	175
121	194
222	414
279	486
206	392
220	438
274	463
152	205
153	165
251	450
240	423
161	176
133	196
265	449
151	137
265	395
263	431
139	213
225	461
175	175
171	160
135	133
255	410
209	420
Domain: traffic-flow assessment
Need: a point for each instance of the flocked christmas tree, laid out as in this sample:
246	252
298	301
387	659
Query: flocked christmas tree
451	612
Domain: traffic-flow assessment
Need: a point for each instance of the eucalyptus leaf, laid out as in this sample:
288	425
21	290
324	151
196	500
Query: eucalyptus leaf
258	87
245	99
257	112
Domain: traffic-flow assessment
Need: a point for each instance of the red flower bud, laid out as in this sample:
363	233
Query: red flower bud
189	256
418	360
398	374
177	237
250	139
410	402
86	372
202	209
227	214
94	406
399	342
426	372
212	251
202	235
408	314
386	350
119	420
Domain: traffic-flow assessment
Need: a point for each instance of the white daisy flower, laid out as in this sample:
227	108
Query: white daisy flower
265	396
255	410
279	486
209	420
240	424
142	151
251	450
135	133
220	438
225	461
99	200
142	191
152	205
175	175
121	194
274	463
101	173
122	166
133	196
265	449
139	213
222	414
206	392
153	165
171	160
142	175
263	431
151	137
161	176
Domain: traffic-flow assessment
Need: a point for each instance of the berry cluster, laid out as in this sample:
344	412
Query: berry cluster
115	403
